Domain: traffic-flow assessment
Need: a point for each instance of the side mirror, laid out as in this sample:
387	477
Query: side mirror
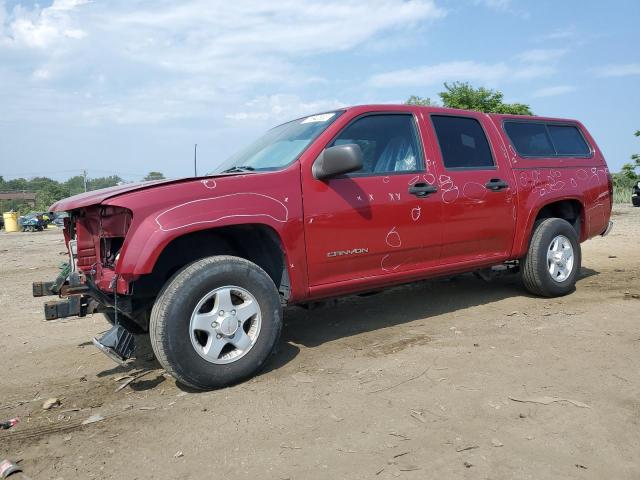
337	160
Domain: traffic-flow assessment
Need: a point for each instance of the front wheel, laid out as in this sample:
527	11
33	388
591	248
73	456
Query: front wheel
552	264
216	322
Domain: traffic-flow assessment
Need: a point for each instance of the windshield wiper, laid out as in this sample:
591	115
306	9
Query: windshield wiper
239	168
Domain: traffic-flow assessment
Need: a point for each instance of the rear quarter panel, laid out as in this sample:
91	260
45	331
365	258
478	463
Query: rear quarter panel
542	181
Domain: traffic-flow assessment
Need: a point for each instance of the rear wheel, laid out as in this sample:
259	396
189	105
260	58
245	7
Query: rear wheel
216	322
552	264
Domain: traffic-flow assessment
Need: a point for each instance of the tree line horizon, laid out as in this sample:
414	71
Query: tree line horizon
459	95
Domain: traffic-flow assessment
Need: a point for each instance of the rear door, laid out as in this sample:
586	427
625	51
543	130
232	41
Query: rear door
376	221
477	189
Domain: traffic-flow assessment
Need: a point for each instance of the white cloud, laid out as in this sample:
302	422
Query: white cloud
565	33
41	74
40	28
187	58
503	6
439	73
619	70
554	90
281	107
487	73
543	55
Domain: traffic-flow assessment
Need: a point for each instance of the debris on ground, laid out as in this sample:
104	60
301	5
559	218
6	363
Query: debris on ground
132	379
549	401
51	403
581	466
515	312
7	467
93	419
464	449
9	423
418	415
400	383
178	454
468	465
496	443
408	468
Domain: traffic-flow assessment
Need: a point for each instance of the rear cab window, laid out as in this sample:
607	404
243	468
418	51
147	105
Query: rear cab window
463	143
546	139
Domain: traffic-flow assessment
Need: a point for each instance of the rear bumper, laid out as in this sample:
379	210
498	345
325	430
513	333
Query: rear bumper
608	229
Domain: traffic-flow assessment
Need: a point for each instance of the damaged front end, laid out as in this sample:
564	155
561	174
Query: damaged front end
89	282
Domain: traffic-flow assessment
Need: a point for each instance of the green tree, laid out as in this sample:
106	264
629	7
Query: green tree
463	95
626	178
75	184
104	182
420	101
629	169
154	176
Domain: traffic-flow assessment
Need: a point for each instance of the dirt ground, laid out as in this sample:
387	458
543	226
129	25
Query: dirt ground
416	382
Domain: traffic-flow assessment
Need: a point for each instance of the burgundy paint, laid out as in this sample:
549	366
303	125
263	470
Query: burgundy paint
462	227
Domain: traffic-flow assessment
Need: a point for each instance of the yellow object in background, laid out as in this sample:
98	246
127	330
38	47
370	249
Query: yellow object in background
11	221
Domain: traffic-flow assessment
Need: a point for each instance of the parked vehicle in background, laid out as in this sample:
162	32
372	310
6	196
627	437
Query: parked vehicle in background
635	195
58	218
32	222
392	194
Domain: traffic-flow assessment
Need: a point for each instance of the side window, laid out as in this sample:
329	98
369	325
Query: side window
462	142
539	139
530	139
568	140
389	143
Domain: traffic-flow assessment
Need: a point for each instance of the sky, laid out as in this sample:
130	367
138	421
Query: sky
128	86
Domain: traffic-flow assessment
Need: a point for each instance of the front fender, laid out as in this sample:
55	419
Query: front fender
166	213
146	240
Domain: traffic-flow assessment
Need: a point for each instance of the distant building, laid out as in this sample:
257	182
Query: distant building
24	195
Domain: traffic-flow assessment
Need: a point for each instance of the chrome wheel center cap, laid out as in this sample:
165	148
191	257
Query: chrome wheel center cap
228	326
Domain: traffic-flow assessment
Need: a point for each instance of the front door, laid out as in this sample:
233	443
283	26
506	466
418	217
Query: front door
381	220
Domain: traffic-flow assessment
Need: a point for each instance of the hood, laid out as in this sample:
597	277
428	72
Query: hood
96	197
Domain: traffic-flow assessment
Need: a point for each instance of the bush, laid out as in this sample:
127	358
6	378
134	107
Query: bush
622	185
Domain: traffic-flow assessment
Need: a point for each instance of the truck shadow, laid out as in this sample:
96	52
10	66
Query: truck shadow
355	315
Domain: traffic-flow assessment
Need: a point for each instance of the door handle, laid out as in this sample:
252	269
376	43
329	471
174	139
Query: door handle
422	189
495	184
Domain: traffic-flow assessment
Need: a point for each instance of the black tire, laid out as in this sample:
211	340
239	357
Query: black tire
535	273
171	315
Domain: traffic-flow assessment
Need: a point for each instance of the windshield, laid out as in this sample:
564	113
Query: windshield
280	146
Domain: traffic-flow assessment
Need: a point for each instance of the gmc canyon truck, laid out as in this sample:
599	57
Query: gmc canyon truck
343	202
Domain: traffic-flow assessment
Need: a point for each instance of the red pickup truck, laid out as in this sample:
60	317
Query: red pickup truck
342	202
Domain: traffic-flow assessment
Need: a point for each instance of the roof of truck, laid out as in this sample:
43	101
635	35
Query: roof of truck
451	111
